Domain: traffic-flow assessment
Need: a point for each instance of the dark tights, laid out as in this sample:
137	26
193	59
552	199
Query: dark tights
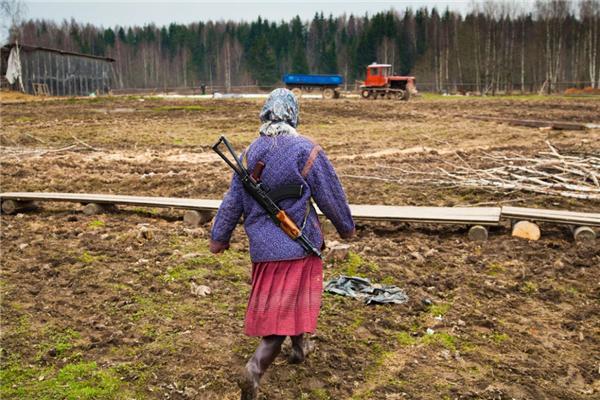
268	350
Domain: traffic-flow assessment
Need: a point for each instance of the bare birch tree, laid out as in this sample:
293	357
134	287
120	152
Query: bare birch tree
554	14
590	16
12	13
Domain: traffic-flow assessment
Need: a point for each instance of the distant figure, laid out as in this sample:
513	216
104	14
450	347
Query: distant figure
286	282
203	88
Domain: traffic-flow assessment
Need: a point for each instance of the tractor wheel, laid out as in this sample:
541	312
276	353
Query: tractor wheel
406	95
328	93
297	92
365	94
400	94
389	95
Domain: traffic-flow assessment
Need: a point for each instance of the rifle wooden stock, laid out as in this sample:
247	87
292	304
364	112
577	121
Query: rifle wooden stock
287	225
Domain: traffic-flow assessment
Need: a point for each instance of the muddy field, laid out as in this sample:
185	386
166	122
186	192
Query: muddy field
101	307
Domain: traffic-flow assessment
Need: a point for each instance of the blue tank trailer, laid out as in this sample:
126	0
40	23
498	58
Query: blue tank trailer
328	84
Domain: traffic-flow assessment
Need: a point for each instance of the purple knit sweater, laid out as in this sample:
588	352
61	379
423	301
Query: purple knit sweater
289	160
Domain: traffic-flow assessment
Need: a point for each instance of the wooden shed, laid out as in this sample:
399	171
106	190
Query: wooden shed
42	70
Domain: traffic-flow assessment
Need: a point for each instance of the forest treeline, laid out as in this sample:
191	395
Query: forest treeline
494	47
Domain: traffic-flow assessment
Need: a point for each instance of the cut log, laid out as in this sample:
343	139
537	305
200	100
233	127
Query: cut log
15	206
478	233
526	230
99	208
196	218
584	234
145	233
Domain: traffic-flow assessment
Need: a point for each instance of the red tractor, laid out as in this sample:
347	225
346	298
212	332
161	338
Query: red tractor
379	83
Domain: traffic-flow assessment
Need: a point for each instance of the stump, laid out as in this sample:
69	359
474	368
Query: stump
145	233
98	208
526	230
478	233
196	218
15	206
584	234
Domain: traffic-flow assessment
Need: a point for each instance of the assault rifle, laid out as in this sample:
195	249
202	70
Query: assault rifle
267	198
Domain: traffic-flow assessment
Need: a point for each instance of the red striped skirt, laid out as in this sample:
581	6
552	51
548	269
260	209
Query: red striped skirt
285	297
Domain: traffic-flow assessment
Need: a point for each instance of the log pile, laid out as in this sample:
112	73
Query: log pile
17	152
549	173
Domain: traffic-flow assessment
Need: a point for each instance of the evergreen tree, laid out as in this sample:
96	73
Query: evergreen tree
198	60
263	64
329	59
365	49
109	37
164	39
131	38
408	48
121	35
299	62
421	22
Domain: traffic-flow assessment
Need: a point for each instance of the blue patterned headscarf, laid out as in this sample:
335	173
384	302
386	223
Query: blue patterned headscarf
279	115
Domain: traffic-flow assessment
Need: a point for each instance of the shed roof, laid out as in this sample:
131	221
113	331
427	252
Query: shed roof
27	47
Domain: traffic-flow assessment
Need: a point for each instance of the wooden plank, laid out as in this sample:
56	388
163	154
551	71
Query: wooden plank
555	216
437	215
443	215
142	201
449	215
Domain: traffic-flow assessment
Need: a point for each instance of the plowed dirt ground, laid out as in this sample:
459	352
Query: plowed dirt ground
101	307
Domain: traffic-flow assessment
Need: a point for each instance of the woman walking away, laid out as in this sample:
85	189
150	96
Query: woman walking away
287	282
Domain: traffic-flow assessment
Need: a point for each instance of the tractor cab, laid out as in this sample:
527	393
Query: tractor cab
377	74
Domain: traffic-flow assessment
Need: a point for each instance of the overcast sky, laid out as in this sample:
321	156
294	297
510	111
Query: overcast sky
110	13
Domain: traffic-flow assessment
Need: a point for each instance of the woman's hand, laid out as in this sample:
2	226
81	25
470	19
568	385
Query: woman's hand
218	247
349	234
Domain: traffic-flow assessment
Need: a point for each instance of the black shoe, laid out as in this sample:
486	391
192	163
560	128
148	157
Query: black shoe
299	354
296	357
249	385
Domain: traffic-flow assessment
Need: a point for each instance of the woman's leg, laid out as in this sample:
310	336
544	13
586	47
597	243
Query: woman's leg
297	355
301	348
265	354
